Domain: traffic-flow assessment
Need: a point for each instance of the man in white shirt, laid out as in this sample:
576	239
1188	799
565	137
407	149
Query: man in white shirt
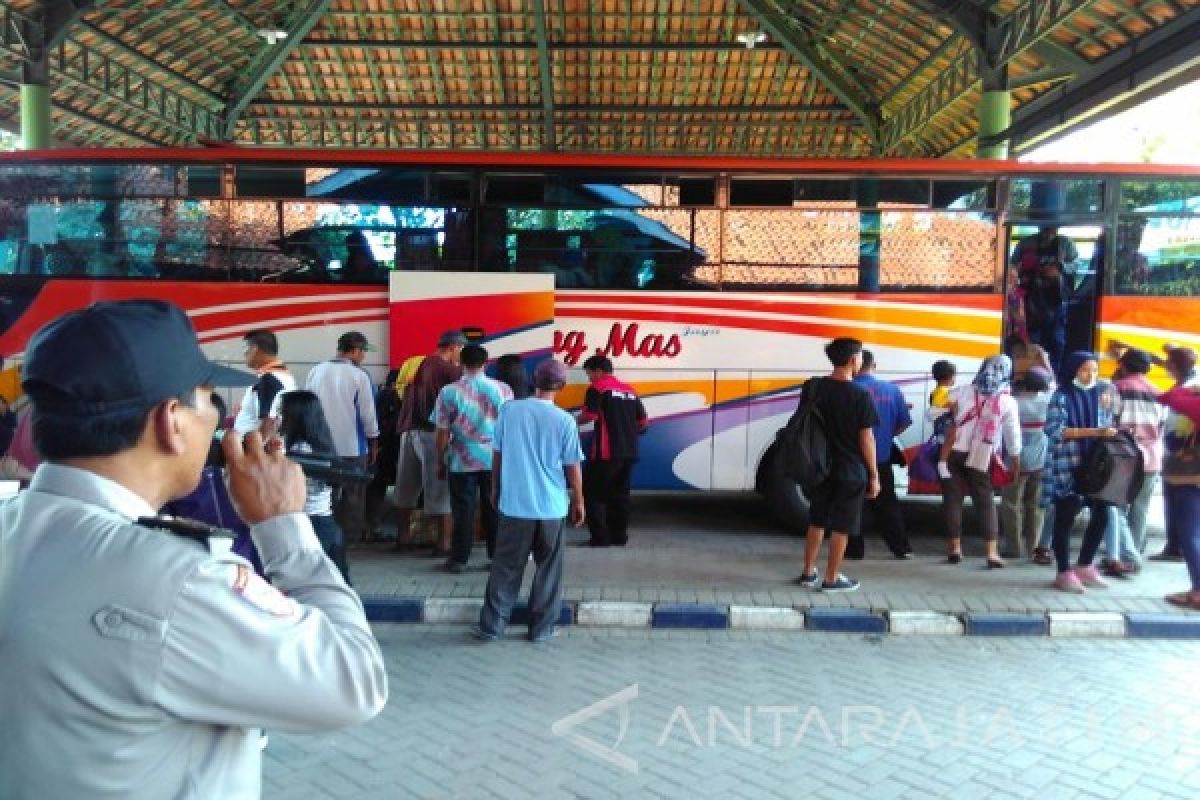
348	400
140	661
261	401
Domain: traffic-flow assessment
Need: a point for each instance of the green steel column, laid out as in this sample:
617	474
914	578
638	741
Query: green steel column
869	233
35	116
995	115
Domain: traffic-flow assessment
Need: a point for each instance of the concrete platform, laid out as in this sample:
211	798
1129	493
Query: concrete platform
712	550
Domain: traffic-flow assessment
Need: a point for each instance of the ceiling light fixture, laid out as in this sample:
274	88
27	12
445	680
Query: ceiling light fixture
751	39
272	36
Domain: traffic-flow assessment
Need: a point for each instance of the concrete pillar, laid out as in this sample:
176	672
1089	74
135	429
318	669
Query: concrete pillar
35	116
995	115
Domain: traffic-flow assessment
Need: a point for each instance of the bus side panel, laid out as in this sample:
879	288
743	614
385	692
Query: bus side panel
308	318
506	312
1148	323
760	348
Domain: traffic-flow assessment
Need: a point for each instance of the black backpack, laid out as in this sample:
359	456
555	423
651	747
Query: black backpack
803	444
1112	471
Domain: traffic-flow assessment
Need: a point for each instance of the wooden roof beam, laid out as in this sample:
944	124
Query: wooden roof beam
256	74
798	47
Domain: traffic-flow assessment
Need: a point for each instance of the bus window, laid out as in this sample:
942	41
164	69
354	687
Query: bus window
1031	195
1158	256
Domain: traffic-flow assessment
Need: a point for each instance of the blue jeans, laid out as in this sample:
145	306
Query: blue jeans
1119	543
1183	519
332	542
467	489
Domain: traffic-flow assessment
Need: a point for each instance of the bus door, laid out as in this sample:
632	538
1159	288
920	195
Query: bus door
505	312
1077	243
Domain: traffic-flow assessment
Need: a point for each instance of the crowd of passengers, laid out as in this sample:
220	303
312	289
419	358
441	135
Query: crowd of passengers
1017	427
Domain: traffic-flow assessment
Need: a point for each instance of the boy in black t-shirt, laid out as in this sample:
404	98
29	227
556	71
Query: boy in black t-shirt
836	505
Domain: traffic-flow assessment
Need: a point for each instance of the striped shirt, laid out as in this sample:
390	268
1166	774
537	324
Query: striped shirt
468	409
1143	417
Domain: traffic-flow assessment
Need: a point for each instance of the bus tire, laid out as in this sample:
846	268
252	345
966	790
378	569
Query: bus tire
785	501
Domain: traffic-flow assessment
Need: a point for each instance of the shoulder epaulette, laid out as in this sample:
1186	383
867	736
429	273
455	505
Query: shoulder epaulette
188	528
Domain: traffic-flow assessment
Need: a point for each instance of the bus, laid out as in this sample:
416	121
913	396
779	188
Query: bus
712	283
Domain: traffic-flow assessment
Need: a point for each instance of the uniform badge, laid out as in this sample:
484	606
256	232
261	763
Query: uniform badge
262	595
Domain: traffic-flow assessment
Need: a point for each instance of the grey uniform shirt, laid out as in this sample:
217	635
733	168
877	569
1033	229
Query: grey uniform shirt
135	664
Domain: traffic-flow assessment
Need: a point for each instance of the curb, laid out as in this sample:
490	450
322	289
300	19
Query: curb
690	615
985	624
704	616
845	620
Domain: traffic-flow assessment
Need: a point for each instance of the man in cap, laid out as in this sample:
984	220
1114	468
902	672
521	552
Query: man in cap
348	399
417	464
1181	502
262	400
126	633
534	466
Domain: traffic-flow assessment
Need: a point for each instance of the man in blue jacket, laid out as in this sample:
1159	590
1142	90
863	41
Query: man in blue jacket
894	419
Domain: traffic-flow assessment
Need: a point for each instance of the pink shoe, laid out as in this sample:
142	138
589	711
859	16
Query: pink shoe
1090	576
1068	582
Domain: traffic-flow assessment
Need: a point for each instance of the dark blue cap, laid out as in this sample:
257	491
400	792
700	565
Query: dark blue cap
115	357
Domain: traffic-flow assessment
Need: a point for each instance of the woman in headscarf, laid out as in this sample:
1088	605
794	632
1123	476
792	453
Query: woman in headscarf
985	425
1081	412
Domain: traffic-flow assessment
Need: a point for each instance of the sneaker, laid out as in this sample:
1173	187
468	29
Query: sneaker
905	556
545	637
482	635
1090	577
1068	582
454	567
809	581
842	584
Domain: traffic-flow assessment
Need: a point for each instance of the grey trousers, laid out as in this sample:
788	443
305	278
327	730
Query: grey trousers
516	538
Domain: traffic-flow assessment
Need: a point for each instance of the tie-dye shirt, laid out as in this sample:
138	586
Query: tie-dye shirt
468	409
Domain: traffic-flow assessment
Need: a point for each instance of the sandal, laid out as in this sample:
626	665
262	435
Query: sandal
1188	600
1042	556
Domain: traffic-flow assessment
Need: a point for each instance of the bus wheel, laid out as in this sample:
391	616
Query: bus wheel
785	501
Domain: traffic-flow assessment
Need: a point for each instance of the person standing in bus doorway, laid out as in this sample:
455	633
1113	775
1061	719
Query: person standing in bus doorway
348	400
261	402
417	464
538	483
891	411
1043	263
836	505
619	418
465	415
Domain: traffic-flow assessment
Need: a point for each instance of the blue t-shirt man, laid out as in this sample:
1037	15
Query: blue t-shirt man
890	407
536	440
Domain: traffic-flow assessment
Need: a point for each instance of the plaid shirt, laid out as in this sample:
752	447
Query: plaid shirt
1066	455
